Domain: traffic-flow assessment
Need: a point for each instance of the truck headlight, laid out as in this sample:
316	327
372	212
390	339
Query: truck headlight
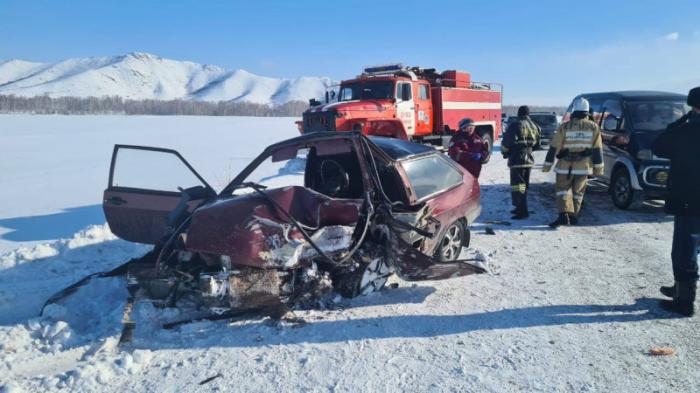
645	154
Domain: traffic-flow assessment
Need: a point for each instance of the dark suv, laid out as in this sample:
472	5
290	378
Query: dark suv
629	123
548	125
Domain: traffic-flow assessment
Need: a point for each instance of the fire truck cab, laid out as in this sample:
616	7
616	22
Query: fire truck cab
408	103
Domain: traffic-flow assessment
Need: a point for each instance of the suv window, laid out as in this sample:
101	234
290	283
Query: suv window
430	175
655	115
544	120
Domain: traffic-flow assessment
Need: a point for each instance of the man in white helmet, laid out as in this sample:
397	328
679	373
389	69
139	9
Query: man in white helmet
578	147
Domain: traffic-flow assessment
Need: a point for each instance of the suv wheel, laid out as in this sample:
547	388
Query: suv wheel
621	191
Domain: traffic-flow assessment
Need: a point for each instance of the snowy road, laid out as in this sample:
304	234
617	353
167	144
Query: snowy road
569	310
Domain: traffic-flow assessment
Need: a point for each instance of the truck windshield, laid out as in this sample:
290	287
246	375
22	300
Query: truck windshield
371	90
544	120
655	115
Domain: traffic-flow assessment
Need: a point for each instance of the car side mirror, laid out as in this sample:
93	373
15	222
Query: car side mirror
611	123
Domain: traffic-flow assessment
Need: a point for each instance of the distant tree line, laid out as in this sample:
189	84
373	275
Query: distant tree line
512	110
46	105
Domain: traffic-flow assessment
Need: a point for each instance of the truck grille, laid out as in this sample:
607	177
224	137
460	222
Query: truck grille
319	121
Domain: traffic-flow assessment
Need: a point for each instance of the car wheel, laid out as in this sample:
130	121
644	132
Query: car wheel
367	278
621	191
450	246
488	141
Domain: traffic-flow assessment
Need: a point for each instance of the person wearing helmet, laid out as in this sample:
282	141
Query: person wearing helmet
680	143
577	145
518	142
467	148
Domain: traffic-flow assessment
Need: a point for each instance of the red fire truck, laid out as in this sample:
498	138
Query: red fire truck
410	103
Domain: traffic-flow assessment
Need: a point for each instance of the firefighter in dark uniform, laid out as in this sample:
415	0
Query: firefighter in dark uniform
681	144
518	141
578	146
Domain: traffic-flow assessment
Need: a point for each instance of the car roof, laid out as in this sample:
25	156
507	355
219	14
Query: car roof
633	95
399	149
396	149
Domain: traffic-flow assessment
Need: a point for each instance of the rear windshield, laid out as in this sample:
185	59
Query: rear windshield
655	115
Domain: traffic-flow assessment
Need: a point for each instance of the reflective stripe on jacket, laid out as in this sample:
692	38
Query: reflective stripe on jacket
518	141
578	146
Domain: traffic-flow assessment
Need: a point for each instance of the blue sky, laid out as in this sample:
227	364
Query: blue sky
544	52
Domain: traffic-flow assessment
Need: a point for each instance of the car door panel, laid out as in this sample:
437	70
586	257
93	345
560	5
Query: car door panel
133	211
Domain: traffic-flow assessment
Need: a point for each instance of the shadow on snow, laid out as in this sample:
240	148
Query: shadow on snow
52	226
256	334
597	210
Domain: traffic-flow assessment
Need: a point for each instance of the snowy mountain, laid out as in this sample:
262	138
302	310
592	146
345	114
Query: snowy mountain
146	76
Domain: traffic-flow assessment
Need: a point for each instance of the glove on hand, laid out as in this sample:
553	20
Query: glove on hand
598	171
546	168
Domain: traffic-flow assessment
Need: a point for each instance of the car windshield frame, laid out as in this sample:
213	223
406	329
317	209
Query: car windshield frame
654	121
362	90
297	145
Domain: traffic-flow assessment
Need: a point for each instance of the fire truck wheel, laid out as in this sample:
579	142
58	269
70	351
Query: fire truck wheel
488	141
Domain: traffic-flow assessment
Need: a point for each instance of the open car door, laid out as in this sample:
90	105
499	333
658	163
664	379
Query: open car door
145	185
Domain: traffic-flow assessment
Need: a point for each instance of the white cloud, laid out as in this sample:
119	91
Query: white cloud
671	36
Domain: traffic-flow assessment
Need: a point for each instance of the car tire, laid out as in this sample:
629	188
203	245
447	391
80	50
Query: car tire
456	237
623	195
488	141
365	279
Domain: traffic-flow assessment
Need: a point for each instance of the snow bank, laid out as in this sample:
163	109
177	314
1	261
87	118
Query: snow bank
29	275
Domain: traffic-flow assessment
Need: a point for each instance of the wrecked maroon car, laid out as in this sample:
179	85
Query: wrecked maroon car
320	212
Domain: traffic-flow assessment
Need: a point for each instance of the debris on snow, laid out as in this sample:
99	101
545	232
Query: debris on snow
662	351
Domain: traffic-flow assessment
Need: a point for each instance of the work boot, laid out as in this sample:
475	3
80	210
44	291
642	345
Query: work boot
668	291
573	220
683	302
562	219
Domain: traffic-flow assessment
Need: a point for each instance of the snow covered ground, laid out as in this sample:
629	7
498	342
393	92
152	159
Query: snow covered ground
566	310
